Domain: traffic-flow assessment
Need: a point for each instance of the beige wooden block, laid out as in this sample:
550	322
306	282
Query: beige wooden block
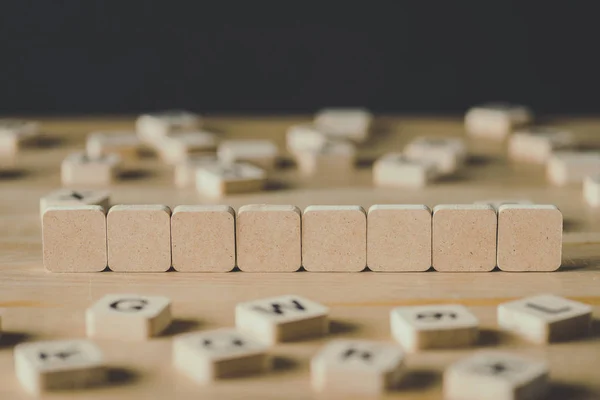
185	171
345	123
178	147
357	367
396	170
496	376
139	238
101	144
68	197
545	318
448	154
334	157
154	126
58	365
496	120
496	203
433	327
529	237
304	137
203	238
399	237
591	190
217	180
268	238
14	133
258	152
223	353
74	239
334	238
128	317
536	144
282	319
464	237
567	167
77	169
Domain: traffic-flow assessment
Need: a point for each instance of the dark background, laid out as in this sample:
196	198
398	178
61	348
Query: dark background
107	57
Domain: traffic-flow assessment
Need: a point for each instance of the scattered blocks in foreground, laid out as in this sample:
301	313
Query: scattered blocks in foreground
545	318
80	170
282	319
536	144
345	123
217	180
569	167
496	120
396	170
69	197
357	367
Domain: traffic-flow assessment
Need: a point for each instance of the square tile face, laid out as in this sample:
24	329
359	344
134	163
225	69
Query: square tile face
529	237
283	309
268	238
397	170
349	123
80	197
79	169
216	180
447	154
464	237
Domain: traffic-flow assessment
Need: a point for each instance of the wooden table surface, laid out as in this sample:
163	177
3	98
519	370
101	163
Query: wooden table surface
40	305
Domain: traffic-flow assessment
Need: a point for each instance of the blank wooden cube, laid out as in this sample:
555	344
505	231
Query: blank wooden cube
262	153
268	238
178	147
334	157
591	190
185	171
203	238
433	327
282	319
357	367
496	376
304	137
128	317
223	353
14	133
536	144
567	167
545	318
139	238
496	120
74	239
396	170
78	169
69	197
464	237
447	154
154	126
399	237
217	180
334	238
349	123
101	144
529	237
58	365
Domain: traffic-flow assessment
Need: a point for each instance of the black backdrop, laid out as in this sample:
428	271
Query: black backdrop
84	56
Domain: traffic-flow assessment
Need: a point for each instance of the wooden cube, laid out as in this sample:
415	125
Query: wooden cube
536	144
14	133
58	365
496	120
357	367
304	137
434	326
591	190
185	171
258	152
334	157
396	170
529	237
399	237
154	126
74	239
101	144
496	376
139	238
203	238
218	180
268	238
68	197
223	353
464	237
545	318
334	238
282	319
128	317
179	147
345	123
447	154
80	170
568	167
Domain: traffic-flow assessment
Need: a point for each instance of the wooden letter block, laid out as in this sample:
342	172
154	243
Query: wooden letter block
304	137
399	238
464	237
128	317
496	121
203	238
262	153
78	169
101	144
14	133
222	353
536	144
139	238
153	127
68	197
545	318
447	154
74	239
58	365
567	167
433	327
218	180
396	170
268	238
334	238
282	319
357	367
179	147
496	376
334	157
529	237
352	124
591	190
185	171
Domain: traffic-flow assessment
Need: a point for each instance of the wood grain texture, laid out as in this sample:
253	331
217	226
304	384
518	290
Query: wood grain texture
40	305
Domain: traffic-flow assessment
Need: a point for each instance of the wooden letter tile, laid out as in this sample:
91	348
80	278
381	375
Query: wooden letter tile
185	171
536	144
357	367
496	120
68	197
447	154
268	238
349	123
179	147
203	238
304	137
101	144
139	238
262	153
218	180
80	170
396	170
334	238
399	238
567	167
591	190
153	127
464	237
282	319
128	317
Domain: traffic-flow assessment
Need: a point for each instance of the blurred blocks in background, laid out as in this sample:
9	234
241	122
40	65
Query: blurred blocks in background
217	180
496	120
14	133
101	144
536	144
77	169
333	158
567	167
178	147
69	197
185	171
447	154
258	152
153	127
304	137
396	170
591	190
348	123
